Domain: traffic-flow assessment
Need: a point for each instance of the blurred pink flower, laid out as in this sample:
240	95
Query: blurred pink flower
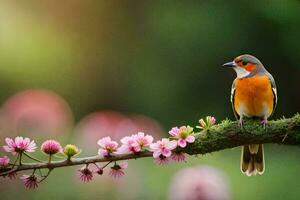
18	145
163	147
85	174
117	170
51	147
202	182
107	146
36	112
178	156
114	124
30	181
183	135
4	161
135	143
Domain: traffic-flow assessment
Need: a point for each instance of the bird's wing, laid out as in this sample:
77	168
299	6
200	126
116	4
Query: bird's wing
274	90
232	100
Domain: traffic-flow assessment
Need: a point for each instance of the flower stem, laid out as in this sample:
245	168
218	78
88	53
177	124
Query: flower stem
14	164
33	158
50	156
20	158
106	164
44	177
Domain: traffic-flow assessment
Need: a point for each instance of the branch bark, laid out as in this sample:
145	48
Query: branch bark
225	135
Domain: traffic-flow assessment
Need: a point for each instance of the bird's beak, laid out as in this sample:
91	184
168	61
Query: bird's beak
229	64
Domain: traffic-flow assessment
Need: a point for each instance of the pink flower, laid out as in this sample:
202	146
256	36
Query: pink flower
19	145
117	170
12	175
4	161
51	147
162	160
178	156
30	181
135	143
107	146
183	135
163	148
129	145
85	174
143	140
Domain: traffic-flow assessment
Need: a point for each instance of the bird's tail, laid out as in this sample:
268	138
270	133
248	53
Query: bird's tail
252	159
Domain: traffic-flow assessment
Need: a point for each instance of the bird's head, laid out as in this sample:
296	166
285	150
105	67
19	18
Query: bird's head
244	65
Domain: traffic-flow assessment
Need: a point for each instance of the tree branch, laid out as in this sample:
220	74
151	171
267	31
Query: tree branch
225	135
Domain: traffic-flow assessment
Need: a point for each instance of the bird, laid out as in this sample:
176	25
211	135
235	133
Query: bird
253	95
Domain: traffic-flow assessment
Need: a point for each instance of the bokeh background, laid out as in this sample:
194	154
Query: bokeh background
79	70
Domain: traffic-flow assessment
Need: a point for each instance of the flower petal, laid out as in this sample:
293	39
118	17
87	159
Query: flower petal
182	143
166	152
190	139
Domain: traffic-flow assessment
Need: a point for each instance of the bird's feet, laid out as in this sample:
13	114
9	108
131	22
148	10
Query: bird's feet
264	122
241	123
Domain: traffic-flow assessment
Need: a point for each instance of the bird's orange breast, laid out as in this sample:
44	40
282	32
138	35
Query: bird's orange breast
253	97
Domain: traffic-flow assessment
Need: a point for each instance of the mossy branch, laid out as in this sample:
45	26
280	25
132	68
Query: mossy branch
227	134
224	135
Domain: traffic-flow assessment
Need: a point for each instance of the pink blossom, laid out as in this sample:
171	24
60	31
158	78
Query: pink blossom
129	145
163	147
30	181
4	161
51	147
107	146
12	175
162	160
183	135
85	174
143	140
135	143
178	156
19	145
117	170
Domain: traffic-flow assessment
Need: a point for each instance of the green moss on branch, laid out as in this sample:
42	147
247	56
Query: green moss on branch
228	134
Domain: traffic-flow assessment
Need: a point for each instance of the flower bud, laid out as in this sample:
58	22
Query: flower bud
202	124
99	171
70	150
4	161
210	120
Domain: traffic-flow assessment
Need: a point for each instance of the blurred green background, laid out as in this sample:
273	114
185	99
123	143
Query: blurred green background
144	65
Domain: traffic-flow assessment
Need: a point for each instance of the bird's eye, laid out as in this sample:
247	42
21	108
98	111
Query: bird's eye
244	62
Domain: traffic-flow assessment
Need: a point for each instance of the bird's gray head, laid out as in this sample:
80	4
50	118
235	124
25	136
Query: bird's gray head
246	65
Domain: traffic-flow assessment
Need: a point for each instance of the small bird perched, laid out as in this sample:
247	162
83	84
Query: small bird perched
253	95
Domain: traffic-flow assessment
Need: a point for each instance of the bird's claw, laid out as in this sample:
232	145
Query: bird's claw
241	123
264	122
